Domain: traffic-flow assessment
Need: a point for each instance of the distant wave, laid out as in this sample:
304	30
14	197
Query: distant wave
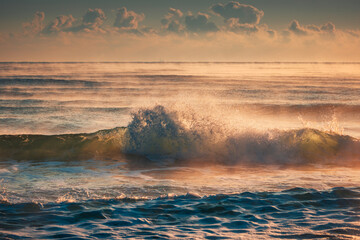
302	109
158	133
46	82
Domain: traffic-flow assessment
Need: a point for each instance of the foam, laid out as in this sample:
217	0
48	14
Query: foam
160	133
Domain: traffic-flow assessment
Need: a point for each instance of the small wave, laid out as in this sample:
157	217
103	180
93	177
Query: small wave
46	82
158	133
68	146
310	109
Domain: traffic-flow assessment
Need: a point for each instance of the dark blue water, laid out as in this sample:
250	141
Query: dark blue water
296	213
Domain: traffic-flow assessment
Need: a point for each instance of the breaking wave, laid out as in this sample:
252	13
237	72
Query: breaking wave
158	133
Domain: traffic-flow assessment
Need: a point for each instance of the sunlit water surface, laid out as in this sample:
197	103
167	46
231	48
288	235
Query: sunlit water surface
216	151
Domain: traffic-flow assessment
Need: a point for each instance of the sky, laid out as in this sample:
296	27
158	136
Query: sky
180	30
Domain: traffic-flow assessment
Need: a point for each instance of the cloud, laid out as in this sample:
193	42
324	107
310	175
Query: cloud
218	46
171	21
200	23
174	26
313	27
174	13
36	25
83	39
246	14
297	29
91	21
60	23
93	18
127	19
328	27
234	26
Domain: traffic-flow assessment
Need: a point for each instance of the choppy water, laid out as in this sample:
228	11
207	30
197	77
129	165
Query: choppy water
191	150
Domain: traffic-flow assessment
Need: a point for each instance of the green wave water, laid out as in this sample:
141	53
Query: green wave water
157	133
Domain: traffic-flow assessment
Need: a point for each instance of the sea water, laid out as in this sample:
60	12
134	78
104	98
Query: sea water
179	150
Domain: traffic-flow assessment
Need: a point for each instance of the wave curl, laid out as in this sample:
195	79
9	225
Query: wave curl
158	133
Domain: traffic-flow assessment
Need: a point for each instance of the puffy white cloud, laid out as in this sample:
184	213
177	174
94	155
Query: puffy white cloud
296	28
128	19
217	46
91	22
174	13
174	26
234	26
171	21
93	18
60	23
234	40
313	27
246	14
36	25
200	23
328	27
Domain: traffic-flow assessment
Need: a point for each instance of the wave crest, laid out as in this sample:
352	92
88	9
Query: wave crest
186	136
157	132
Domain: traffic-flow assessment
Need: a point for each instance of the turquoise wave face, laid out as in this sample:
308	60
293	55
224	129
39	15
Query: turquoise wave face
69	146
158	133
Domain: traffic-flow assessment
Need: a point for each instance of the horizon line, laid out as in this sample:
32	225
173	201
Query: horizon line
177	62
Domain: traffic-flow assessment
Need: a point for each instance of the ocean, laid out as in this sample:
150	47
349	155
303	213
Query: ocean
163	150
